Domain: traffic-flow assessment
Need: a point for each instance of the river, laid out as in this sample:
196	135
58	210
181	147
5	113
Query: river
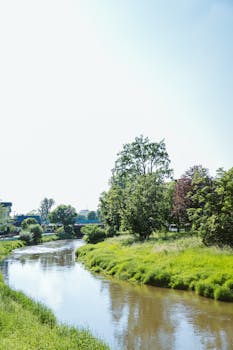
123	315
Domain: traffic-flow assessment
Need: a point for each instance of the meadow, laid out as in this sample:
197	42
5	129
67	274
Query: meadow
164	261
29	325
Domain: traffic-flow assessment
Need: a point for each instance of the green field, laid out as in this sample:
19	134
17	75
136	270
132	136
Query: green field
182	263
28	325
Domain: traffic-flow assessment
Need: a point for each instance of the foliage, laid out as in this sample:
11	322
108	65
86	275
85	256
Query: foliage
5	220
183	263
63	214
218	227
26	236
7	246
36	231
27	222
144	206
201	192
93	233
92	215
45	207
69	230
141	157
32	234
60	231
181	202
136	165
29	325
111	206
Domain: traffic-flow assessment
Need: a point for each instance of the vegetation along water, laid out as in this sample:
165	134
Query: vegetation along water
125	315
183	263
29	325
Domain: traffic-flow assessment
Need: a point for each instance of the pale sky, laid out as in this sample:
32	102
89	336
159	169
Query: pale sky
79	78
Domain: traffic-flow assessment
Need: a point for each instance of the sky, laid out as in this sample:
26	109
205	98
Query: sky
80	78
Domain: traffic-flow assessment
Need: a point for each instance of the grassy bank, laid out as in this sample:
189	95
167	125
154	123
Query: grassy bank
182	263
28	325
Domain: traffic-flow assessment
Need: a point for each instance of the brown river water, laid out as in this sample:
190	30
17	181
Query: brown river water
125	316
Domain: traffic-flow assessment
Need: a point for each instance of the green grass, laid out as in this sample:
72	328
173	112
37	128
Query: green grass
28	325
179	263
50	238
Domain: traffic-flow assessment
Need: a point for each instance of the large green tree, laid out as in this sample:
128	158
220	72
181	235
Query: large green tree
141	157
137	159
63	214
145	206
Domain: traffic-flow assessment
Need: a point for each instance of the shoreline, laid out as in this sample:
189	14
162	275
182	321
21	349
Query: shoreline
30	325
183	264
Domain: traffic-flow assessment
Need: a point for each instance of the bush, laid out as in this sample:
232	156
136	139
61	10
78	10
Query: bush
93	233
218	230
32	235
69	230
27	222
60	231
26	237
36	231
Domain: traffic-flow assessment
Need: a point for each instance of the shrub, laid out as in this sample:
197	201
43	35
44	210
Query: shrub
27	222
36	231
32	235
68	229
60	231
26	237
93	233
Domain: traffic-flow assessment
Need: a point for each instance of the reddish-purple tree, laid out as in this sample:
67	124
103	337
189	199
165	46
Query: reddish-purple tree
181	202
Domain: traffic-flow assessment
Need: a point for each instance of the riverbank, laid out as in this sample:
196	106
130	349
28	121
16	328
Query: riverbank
182	263
28	325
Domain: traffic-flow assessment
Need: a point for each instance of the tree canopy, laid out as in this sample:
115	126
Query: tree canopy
45	207
141	157
137	189
63	214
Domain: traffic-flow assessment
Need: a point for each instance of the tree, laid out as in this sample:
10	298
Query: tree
218	227
111	206
63	214
91	215
45	207
137	159
181	202
144	206
200	197
4	218
141	157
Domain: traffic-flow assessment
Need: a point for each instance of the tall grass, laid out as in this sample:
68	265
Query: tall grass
182	263
28	325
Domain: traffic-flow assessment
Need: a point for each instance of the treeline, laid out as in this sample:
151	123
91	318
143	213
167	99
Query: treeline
143	196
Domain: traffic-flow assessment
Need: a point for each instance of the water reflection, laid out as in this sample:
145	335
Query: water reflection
169	319
126	316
